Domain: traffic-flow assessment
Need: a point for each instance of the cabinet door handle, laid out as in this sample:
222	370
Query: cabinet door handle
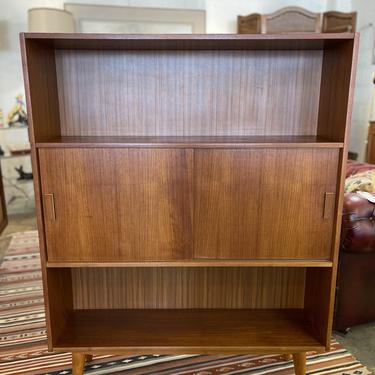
49	206
329	205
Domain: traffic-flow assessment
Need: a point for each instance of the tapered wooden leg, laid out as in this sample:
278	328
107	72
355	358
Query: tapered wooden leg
299	360
78	362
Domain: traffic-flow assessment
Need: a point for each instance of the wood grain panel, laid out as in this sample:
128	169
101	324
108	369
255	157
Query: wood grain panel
319	296
39	68
190	141
227	186
99	288
39	72
294	41
190	331
198	263
370	152
188	92
60	304
293	189
137	205
263	203
117	204
334	117
337	125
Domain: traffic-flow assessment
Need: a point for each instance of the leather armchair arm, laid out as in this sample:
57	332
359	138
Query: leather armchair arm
358	224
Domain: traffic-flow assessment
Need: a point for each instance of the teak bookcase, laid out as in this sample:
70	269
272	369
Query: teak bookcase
189	189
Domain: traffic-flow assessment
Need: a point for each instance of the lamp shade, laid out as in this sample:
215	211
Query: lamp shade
50	20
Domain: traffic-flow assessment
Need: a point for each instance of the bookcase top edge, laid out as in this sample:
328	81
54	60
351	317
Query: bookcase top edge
192	37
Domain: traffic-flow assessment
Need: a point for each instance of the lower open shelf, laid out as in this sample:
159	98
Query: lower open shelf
188	331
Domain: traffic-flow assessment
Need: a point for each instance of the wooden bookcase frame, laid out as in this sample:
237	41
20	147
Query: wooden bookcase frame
155	159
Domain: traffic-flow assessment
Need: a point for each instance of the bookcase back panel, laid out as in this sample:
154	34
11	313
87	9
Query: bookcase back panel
100	288
188	92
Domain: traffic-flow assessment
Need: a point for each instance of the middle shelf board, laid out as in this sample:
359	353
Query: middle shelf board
188	331
190	141
196	263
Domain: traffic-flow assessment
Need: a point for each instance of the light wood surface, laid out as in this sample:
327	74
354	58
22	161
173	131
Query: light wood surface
250	24
163	93
188	288
78	361
370	157
318	300
304	263
236	227
299	360
349	54
192	331
123	204
59	298
289	20
296	41
41	91
334	95
241	194
210	142
336	22
114	121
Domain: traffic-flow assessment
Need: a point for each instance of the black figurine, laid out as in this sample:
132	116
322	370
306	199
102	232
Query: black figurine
23	175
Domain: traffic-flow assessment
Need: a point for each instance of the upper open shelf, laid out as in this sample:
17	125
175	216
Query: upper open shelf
289	89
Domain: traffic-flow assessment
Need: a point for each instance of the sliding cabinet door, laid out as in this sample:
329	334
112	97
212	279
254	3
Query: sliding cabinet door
116	204
267	203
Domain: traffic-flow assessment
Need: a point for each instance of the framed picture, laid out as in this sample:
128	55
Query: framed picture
133	20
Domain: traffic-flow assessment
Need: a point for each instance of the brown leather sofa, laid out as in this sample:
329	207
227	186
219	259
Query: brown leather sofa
355	298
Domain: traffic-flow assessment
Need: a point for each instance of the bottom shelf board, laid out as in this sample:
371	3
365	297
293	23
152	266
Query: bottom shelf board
188	331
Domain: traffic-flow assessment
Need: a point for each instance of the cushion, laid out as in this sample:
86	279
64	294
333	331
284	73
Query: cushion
364	181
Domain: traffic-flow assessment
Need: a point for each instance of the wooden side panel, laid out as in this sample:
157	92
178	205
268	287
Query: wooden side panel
338	123
335	91
41	90
100	288
266	203
318	301
188	92
117	204
60	300
39	73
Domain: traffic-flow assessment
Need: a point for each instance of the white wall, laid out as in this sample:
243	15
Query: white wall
364	87
341	5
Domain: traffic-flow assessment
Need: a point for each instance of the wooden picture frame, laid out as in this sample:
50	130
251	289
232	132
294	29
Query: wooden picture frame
122	19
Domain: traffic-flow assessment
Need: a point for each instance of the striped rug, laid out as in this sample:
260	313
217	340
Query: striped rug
23	336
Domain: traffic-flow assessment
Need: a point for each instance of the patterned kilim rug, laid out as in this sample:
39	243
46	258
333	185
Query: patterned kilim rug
23	336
